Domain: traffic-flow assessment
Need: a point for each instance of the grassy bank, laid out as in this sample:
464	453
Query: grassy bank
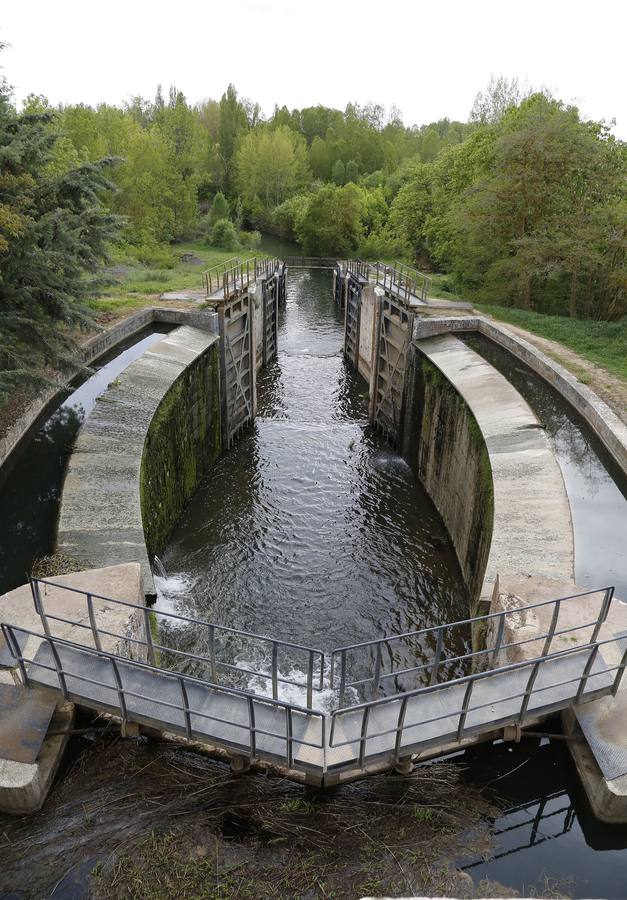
136	280
601	343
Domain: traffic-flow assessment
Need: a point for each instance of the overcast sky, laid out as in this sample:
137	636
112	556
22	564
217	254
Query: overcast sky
428	58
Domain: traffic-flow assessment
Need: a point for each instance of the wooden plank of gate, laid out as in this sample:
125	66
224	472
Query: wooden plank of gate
24	720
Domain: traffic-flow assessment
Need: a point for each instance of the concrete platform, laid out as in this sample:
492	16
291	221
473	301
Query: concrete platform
24	785
599	728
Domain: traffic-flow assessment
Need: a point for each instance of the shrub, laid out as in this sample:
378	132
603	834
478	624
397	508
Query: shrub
223	235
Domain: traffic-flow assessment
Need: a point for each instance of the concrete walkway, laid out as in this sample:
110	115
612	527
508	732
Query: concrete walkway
29	758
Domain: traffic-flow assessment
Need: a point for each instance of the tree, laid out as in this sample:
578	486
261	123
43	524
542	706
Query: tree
233	124
501	94
224	235
219	208
54	235
338	173
332	221
272	164
352	171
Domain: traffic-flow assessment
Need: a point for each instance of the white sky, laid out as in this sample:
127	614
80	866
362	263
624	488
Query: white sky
429	57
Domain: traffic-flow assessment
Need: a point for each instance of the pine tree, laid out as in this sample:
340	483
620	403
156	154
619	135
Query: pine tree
54	234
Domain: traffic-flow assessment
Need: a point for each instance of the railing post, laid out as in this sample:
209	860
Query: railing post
342	676
528	691
464	712
605	606
619	673
288	737
120	689
188	719
212	653
438	655
251	726
59	668
275	674
377	670
364	736
499	638
92	622
552	627
14	644
586	673
149	642
39	605
399	728
310	665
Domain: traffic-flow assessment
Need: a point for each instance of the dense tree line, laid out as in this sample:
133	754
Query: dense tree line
523	205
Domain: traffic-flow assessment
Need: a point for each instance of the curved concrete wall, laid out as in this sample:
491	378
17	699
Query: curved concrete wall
110	479
90	352
488	466
603	421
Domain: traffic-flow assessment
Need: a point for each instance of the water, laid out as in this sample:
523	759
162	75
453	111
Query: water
311	529
29	497
546	835
597	490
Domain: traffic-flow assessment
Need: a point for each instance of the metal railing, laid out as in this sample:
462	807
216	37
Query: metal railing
212	277
222	643
461	711
433	642
401	280
124	694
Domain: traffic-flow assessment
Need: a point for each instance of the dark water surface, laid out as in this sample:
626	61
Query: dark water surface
29	497
311	529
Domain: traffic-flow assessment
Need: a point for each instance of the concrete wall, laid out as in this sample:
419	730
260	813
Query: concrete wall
603	421
102	343
488	466
367	325
141	453
444	444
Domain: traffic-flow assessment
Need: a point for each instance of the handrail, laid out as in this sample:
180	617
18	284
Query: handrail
120	664
468	681
184	706
212	276
340	656
402	280
315	659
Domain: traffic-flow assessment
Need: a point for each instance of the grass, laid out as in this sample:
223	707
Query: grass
136	283
601	343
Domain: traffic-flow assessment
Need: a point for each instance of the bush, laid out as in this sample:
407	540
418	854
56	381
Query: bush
224	235
155	255
251	240
382	244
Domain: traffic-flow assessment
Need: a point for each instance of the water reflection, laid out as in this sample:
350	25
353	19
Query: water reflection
546	829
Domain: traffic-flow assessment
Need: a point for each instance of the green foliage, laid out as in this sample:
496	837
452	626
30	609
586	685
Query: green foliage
331	223
251	240
219	209
54	235
338	173
224	235
271	165
602	343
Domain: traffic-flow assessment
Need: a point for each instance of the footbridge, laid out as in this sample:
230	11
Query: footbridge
364	707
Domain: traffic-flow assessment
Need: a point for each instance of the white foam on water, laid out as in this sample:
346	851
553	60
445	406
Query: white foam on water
170	590
324	700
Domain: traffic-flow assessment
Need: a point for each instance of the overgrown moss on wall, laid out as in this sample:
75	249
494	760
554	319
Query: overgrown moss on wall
182	443
452	461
